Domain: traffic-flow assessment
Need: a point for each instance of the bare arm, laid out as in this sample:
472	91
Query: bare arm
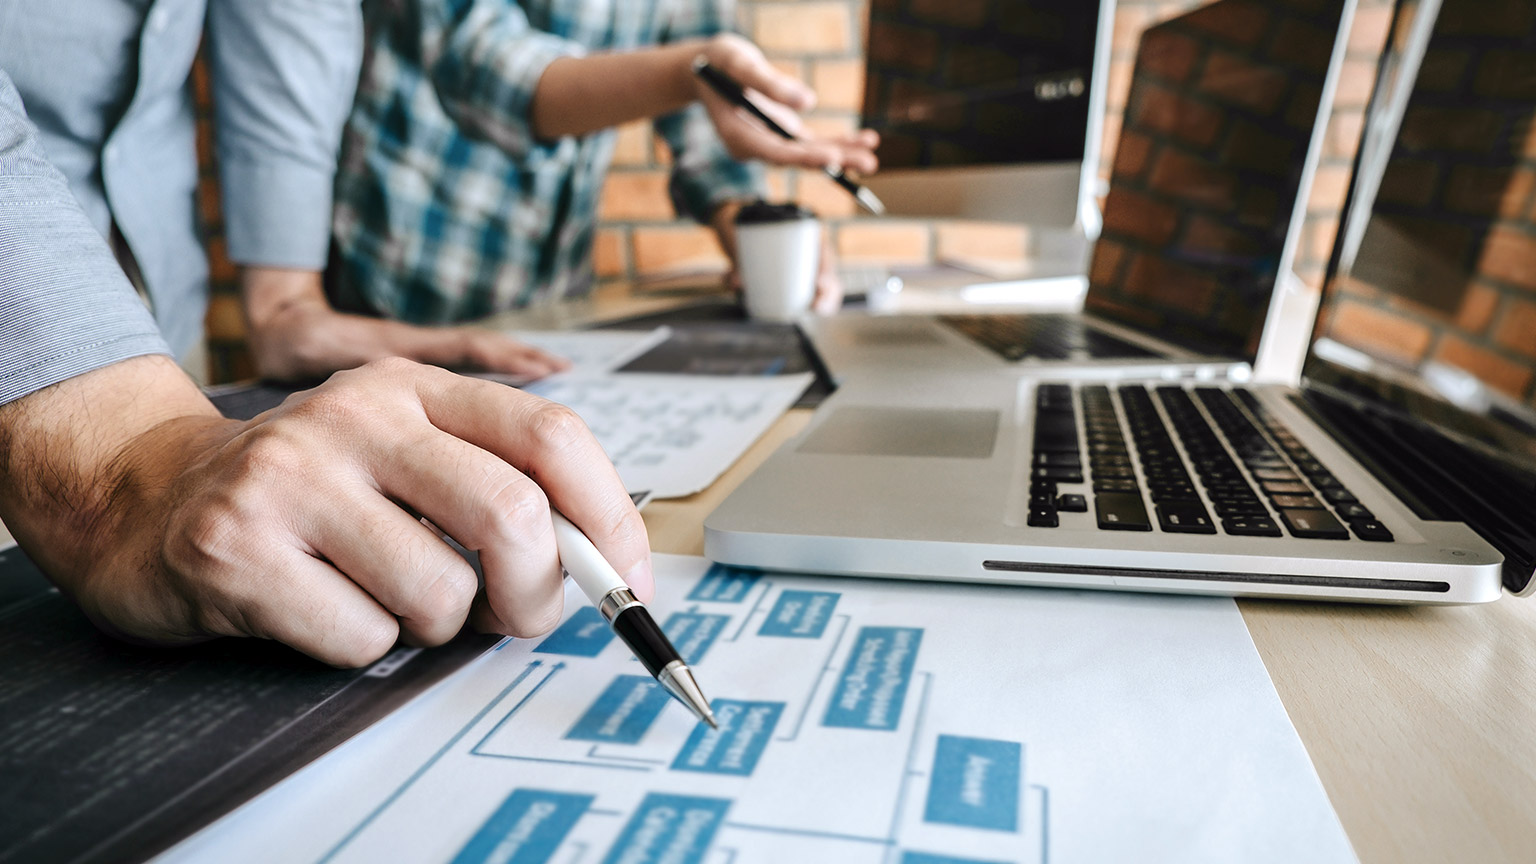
295	334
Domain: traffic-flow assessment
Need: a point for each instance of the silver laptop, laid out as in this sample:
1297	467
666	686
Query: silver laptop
1382	478
1201	223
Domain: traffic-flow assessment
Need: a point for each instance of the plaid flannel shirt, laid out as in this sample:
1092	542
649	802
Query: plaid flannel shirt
447	206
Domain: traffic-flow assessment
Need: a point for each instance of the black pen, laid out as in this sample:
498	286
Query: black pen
628	617
731	91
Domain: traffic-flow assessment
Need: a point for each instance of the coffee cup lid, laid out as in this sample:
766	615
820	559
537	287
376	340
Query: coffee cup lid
759	211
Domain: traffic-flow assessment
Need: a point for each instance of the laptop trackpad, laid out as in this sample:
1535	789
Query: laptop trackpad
905	432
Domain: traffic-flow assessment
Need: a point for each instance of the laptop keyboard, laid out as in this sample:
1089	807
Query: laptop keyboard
1273	487
1046	337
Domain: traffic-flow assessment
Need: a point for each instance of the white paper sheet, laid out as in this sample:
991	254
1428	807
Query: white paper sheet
898	723
594	350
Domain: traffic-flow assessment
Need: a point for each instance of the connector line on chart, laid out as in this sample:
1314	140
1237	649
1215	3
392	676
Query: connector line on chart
906	766
826	667
763	595
593	754
889	840
426	766
553	670
1045	823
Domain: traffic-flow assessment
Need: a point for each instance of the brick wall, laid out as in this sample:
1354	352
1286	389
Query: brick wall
821	41
1447	268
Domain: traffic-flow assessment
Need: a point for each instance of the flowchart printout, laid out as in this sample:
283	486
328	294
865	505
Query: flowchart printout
860	721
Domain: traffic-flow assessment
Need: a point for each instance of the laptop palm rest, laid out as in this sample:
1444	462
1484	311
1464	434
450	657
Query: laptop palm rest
874	431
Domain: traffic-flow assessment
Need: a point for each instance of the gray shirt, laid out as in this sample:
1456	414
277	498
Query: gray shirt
106	82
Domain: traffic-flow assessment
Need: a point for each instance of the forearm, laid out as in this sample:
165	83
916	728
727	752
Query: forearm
578	95
77	466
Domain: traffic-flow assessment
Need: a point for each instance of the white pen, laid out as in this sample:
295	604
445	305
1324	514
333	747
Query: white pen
628	616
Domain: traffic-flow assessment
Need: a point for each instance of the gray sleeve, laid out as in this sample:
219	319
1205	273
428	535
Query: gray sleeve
284	72
65	306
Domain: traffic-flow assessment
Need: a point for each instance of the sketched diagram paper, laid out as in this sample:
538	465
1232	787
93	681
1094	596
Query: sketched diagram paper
861	721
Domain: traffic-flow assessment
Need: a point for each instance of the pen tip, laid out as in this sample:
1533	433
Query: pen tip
870	202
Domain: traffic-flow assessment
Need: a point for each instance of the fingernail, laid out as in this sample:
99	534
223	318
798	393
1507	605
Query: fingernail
641	580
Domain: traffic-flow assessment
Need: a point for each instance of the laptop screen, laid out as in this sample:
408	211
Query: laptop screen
1430	317
1221	115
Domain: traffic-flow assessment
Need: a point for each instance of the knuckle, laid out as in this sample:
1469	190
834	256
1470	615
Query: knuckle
519	509
531	622
362	643
448	595
553	426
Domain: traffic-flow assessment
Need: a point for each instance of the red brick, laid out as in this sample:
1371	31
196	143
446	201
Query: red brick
676	248
803	28
817	193
1342	137
1368	35
1161	282
1239	81
1132	155
1380	332
1130	214
992	242
1162	111
839	84
1320	233
1329	187
1301	114
1178	174
1108	256
1207	237
1509	256
221	271
1357	79
1516	330
1495	370
883	242
1168	55
1477	308
1242	22
608	253
632	144
635	196
226	318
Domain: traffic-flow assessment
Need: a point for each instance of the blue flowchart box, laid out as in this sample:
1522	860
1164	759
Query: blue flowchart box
800	614
723	584
930	858
975	783
584	634
873	685
623	713
691	633
675	829
527	828
735	747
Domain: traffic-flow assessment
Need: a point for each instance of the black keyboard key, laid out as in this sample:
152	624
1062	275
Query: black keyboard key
1059	474
1339	496
1072	504
1281	487
1325	481
1043	487
1296	502
1184	517
1113	471
1043	517
1370	529
1114	486
1120	511
1314	525
1251	526
1279	474
1355	511
1040	499
1069	460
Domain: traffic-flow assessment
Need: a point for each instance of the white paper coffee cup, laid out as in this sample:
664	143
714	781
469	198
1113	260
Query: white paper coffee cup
778	250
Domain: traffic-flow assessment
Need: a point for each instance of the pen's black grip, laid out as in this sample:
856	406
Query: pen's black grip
731	91
640	632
